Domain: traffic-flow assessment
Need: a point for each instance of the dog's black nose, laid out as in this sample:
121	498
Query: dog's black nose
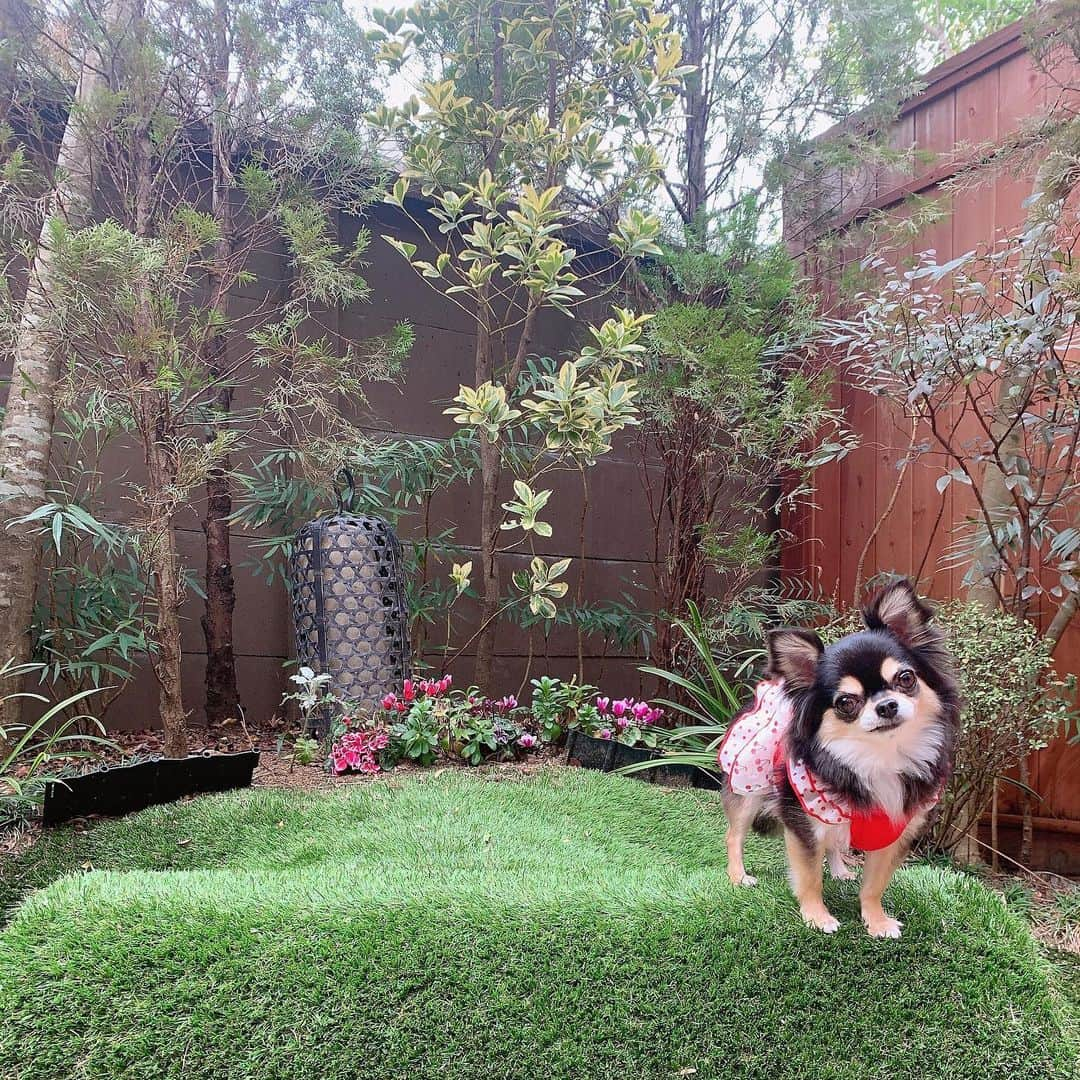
887	709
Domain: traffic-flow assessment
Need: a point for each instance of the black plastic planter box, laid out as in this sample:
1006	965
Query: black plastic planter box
607	755
123	789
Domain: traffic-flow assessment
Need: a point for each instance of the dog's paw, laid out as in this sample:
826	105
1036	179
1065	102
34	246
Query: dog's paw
743	880
842	873
883	927
821	920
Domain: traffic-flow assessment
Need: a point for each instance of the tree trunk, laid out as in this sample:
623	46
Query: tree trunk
164	568
222	697
490	468
151	412
26	434
696	122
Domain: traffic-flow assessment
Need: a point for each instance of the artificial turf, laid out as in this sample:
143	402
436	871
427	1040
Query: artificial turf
572	925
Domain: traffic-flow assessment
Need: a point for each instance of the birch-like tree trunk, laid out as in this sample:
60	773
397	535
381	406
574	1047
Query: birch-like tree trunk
27	430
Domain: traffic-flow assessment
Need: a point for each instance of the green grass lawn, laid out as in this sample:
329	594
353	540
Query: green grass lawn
573	925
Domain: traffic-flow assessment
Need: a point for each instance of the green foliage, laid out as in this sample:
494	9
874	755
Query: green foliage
452	926
549	708
535	118
992	328
418	735
306	750
737	412
705	695
558	705
949	26
28	749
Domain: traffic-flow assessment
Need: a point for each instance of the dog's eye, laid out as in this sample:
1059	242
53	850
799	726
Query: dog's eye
906	680
846	705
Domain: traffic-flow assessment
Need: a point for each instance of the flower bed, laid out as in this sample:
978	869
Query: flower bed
428	720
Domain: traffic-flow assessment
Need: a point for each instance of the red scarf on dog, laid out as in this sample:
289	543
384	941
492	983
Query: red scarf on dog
754	754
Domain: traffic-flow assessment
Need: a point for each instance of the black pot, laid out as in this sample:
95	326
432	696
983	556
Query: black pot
589	752
634	755
607	755
123	789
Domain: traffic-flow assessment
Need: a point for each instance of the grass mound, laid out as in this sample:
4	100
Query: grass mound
571	926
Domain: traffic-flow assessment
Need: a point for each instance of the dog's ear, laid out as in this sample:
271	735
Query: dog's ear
794	656
898	609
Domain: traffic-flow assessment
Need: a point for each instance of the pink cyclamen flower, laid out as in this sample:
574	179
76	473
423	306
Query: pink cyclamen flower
621	707
653	717
390	701
641	710
408	691
507	703
527	741
604	733
622	723
602	705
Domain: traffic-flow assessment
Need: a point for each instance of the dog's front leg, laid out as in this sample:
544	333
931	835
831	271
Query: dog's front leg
877	873
805	863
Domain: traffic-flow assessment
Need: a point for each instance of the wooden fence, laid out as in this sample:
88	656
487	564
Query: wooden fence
975	99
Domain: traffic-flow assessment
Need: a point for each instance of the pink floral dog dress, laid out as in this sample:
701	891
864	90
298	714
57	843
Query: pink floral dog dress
754	755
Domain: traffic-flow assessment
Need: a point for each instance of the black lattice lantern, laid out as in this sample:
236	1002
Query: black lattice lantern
348	604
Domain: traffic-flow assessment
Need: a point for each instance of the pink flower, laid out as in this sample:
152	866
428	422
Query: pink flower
621	707
435	687
390	701
654	716
604	733
602	705
527	741
641	710
622	723
507	703
357	750
408	691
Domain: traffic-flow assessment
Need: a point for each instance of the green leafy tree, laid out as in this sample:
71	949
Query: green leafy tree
528	129
738	417
140	298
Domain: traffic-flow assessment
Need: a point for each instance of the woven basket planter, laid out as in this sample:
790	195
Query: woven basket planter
348	607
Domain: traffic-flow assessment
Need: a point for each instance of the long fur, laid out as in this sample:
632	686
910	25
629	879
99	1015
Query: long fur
898	765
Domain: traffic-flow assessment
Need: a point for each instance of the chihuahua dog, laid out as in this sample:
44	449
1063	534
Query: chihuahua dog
847	746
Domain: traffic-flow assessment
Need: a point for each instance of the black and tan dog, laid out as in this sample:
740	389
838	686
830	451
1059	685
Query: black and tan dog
847	746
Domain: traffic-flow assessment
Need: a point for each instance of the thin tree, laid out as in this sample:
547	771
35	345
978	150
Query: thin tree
30	406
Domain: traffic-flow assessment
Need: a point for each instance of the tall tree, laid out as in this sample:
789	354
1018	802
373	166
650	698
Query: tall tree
194	186
30	408
244	58
525	132
734	405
